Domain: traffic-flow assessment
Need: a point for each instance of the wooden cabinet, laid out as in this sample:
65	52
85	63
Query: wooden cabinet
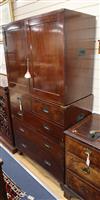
6	133
82	153
55	96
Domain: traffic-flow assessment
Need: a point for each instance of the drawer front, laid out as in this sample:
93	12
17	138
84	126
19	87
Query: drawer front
79	166
48	111
50	130
80	149
39	140
86	191
20	102
46	128
42	150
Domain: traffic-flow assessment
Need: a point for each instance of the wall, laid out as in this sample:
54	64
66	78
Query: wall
27	8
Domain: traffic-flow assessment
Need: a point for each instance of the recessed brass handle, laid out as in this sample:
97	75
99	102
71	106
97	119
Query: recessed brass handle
45	110
47	163
21	129
46	127
47	146
24	145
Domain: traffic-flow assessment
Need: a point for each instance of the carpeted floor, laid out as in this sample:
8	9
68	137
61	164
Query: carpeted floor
27	185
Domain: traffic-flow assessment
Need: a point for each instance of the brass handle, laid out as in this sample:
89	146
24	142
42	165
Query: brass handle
46	127
24	145
21	129
87	151
86	169
20	106
47	146
47	163
45	110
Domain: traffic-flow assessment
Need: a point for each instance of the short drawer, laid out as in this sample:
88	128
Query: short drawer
20	102
46	128
85	190
80	149
48	111
78	166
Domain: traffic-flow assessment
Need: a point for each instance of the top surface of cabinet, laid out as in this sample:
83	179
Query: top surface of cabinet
60	47
87	131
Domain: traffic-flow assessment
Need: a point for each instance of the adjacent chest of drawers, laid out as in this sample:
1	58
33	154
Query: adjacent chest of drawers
82	158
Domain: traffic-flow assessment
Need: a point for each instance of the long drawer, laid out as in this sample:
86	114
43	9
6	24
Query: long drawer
86	191
82	150
49	154
79	167
46	128
64	115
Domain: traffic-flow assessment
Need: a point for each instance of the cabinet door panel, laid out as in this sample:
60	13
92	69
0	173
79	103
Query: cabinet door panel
15	48
47	58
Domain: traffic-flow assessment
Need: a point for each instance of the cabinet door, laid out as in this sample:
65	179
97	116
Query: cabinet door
15	48
47	59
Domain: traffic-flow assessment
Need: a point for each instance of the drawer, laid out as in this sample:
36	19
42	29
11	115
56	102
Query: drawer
50	130
48	111
20	102
79	149
85	190
38	140
46	128
79	167
40	149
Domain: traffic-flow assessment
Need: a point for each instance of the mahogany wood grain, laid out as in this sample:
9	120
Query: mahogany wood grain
75	164
16	52
82	188
49	154
59	59
81	149
46	128
60	48
82	155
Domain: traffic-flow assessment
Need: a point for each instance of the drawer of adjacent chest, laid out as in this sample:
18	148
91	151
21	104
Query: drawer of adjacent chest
85	190
82	150
79	166
48	111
